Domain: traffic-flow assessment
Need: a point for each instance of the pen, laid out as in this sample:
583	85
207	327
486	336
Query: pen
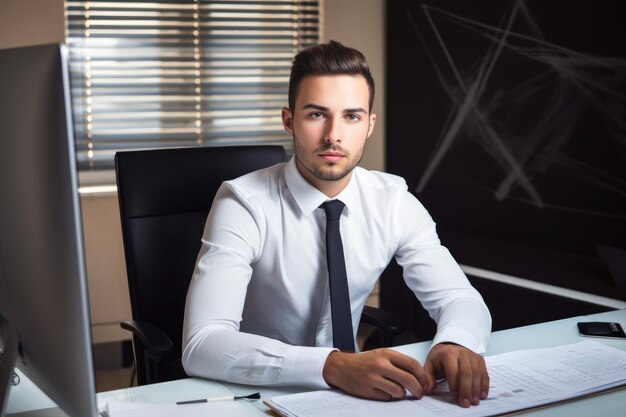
254	396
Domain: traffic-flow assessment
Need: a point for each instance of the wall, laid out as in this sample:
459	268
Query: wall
106	269
45	22
359	24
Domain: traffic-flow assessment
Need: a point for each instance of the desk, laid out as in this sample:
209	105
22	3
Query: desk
529	337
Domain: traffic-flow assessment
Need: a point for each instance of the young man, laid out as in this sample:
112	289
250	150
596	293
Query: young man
258	308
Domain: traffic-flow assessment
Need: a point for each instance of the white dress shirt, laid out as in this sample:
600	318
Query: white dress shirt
258	307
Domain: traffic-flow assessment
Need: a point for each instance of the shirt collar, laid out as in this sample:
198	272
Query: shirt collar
308	197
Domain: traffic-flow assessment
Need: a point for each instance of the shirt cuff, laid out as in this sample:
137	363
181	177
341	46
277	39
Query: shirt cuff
459	336
303	366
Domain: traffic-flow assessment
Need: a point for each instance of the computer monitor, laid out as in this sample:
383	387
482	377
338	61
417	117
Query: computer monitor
44	309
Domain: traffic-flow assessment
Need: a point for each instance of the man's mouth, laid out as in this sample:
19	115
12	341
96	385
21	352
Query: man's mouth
332	156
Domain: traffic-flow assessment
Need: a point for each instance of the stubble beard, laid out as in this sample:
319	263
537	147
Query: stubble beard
325	171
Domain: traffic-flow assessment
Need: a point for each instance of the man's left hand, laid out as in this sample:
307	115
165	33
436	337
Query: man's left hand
465	371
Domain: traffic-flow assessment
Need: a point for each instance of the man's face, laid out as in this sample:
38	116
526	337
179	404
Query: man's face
329	124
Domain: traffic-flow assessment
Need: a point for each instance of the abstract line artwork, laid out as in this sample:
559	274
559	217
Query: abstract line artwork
526	120
508	120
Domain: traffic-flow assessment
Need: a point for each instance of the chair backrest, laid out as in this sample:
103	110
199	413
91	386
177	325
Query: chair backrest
165	197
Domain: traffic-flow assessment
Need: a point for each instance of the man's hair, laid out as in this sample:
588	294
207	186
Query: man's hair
330	58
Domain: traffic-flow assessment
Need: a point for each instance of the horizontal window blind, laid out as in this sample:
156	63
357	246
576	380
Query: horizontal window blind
151	74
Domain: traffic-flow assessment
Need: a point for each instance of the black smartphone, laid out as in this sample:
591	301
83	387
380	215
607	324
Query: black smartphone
601	329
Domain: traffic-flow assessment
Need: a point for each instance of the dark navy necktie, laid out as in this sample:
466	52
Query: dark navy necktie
343	335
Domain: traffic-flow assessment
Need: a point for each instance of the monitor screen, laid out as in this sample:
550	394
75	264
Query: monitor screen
44	309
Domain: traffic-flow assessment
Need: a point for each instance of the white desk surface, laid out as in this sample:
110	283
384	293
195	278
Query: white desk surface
530	337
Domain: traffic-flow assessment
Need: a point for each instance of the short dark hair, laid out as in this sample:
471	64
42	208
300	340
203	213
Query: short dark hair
330	58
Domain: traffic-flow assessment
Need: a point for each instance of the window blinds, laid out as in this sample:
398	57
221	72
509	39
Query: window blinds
150	74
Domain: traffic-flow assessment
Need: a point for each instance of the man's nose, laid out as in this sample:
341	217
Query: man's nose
333	131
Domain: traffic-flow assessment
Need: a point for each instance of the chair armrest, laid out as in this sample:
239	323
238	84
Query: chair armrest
388	324
383	320
156	343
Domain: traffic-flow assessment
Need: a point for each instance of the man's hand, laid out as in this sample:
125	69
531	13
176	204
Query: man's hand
380	374
465	370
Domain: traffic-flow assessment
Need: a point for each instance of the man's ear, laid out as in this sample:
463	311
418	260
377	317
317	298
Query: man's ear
287	120
370	129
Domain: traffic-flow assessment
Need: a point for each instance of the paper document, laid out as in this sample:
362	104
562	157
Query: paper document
518	380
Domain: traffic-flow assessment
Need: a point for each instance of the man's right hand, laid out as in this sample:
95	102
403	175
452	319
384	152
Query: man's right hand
381	374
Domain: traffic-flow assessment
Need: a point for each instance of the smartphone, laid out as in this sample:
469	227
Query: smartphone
601	329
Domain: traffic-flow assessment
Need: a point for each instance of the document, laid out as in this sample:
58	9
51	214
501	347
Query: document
518	380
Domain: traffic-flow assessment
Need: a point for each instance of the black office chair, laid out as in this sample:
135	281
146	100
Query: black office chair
165	196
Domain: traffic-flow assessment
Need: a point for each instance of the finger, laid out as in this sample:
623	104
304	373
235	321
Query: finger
376	394
484	390
406	380
386	376
415	378
463	381
370	393
476	380
480	379
450	369
406	372
390	388
430	370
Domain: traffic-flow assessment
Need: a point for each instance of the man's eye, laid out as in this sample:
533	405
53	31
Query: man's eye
317	115
353	117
